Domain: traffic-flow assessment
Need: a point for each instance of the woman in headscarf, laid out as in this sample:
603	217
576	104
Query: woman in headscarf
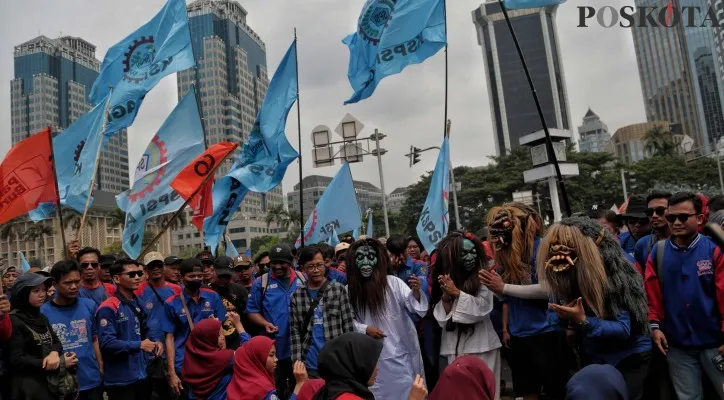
348	365
34	350
467	377
596	382
254	365
208	364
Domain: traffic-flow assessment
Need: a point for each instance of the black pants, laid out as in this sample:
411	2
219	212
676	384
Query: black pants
284	377
657	385
635	369
139	390
91	394
160	389
538	366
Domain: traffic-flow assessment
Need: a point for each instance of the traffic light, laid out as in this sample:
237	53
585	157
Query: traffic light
415	158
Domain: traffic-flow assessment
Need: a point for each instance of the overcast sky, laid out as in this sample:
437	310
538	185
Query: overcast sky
599	64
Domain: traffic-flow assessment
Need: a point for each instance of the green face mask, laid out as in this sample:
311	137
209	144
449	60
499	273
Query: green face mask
366	259
470	254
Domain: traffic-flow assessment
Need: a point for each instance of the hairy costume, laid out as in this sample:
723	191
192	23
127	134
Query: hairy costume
465	319
579	258
513	229
385	302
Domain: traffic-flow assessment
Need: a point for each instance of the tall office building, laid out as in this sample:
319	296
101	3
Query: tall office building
680	74
232	81
511	104
53	78
314	186
593	134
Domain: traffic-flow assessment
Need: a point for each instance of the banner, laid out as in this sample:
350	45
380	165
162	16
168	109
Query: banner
392	34
203	205
231	249
435	217
26	174
333	239
137	63
517	4
227	194
370	227
337	210
178	142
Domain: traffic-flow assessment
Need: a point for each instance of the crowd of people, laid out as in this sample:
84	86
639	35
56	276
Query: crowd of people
596	306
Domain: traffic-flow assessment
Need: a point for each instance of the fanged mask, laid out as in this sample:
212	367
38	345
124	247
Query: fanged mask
561	258
501	231
470	254
366	259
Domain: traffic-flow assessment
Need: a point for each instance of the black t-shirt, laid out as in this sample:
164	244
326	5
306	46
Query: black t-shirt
234	298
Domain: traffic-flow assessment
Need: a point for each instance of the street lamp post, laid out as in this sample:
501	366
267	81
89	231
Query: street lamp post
382	182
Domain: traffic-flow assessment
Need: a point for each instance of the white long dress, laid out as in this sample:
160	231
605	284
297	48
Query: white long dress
401	359
482	342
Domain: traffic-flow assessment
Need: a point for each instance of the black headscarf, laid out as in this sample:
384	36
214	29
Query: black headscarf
27	313
346	364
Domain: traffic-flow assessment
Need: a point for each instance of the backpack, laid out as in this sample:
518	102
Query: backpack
265	283
61	382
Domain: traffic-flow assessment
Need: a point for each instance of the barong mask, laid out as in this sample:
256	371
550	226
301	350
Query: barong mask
501	230
513	228
561	258
470	255
366	259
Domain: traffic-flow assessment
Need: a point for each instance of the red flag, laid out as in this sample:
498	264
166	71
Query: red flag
189	181
27	176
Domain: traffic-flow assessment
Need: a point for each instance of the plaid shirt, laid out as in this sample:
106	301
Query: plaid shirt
336	312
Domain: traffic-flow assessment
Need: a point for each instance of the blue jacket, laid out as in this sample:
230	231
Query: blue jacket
175	321
119	334
413	267
154	309
690	309
274	307
528	317
607	341
643	248
335	275
628	243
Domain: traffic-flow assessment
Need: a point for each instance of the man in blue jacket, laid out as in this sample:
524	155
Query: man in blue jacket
657	207
637	222
123	336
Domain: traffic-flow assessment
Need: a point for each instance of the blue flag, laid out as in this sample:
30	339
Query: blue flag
137	63
231	249
44	211
337	210
370	228
247	252
392	34
333	239
24	265
355	233
178	142
517	4
435	218
267	153
227	194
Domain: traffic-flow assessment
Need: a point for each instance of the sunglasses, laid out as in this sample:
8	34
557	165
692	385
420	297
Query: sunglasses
89	264
681	217
264	265
133	274
242	268
638	221
660	211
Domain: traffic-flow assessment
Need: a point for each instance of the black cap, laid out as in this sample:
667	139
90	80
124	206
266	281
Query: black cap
171	260
281	253
636	207
205	257
188	265
107	260
223	265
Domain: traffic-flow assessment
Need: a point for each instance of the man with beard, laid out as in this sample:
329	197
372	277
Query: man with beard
207	259
91	286
268	307
153	294
233	296
171	267
536	348
183	310
658	204
381	304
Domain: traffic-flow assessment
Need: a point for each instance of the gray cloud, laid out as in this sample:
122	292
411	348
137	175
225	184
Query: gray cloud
599	64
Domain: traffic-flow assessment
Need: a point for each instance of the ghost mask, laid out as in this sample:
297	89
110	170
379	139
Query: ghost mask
470	255
366	260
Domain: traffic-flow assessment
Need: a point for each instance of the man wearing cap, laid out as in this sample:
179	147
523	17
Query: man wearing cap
243	271
105	274
171	269
340	251
9	275
184	310
207	259
637	222
233	296
268	308
153	294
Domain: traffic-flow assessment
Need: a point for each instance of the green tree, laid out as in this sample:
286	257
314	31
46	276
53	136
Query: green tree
12	228
71	218
188	253
278	216
659	142
37	233
263	243
118	218
113	248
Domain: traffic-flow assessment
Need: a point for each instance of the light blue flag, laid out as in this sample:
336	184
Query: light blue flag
390	36
370	227
178	142
517	4
227	194
44	211
337	210
137	63
267	153
231	249
435	218
333	239
23	262
355	233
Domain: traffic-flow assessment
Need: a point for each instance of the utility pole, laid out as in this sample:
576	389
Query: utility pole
623	182
537	199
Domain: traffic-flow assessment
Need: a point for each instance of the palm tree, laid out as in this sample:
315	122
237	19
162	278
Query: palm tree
12	228
71	218
178	223
118	218
37	232
293	219
278	215
659	142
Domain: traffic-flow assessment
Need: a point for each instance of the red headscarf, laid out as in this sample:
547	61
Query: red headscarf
251	380
205	363
466	378
310	388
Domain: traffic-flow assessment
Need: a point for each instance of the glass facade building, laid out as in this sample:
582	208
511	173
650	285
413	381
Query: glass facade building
231	77
592	134
512	106
53	78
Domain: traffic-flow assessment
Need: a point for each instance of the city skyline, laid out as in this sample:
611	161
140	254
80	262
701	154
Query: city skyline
602	76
